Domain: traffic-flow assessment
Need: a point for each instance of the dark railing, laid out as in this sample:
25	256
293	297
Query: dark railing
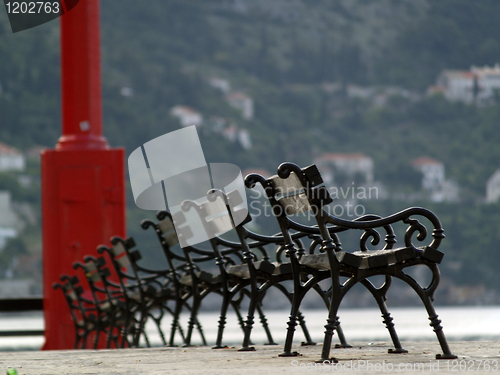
21	305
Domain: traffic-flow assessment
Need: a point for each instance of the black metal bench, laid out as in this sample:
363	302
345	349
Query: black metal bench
205	272
146	292
191	283
83	312
255	271
240	269
296	190
113	315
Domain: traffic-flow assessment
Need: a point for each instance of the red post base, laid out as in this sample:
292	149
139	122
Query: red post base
83	206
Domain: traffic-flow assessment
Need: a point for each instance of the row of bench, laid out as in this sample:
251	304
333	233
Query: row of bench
241	272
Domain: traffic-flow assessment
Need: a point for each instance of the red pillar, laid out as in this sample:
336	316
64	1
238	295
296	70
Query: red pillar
83	193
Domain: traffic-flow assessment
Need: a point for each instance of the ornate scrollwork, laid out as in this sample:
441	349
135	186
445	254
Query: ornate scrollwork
367	234
414	226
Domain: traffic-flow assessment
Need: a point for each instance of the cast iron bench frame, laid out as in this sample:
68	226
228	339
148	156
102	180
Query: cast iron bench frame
308	193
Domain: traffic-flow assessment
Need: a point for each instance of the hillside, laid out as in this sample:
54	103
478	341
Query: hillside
296	59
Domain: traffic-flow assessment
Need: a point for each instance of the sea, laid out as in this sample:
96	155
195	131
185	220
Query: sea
361	324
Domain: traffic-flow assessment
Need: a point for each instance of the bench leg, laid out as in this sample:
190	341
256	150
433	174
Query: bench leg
307	336
200	331
110	334
436	325
263	321
97	335
426	297
331	325
338	292
245	346
114	335
78	337
179	303
128	333
295	315
173	328
124	332
379	295
142	330
157	321
241	321
192	321
292	323
308	340
222	322
340	333
256	295
145	336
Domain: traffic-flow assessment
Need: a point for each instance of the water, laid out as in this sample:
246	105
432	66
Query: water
460	323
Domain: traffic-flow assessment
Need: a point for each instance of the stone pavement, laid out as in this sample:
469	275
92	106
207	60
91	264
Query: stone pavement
480	357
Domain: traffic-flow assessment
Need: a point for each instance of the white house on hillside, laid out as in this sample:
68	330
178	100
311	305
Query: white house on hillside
468	85
434	181
221	84
456	85
330	164
493	188
243	102
432	170
187	115
11	159
232	133
9	221
488	80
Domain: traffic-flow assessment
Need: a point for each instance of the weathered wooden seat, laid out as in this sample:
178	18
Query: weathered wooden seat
202	276
282	269
243	270
295	190
363	260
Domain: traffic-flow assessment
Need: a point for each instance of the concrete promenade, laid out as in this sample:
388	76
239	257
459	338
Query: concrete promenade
481	357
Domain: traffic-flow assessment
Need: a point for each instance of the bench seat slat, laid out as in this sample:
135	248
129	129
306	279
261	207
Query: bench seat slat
365	259
200	275
282	268
242	271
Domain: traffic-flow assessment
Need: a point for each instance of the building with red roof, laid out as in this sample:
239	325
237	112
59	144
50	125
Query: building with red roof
243	102
432	171
11	159
475	85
